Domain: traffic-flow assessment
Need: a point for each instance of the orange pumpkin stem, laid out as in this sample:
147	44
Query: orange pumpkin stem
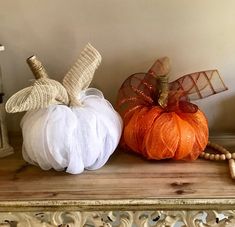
164	90
160	71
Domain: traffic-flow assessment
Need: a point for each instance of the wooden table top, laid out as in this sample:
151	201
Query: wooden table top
125	176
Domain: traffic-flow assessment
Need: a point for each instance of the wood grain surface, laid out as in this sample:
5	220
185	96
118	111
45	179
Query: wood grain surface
125	176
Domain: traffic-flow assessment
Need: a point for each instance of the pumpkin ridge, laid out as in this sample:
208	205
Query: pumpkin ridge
148	129
156	145
198	121
184	124
163	137
131	136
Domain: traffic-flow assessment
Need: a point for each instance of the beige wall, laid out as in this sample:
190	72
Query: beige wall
196	35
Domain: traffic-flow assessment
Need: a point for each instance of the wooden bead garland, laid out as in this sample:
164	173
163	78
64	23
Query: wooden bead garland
225	155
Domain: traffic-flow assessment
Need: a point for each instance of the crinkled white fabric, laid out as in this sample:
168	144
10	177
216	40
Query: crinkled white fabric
72	139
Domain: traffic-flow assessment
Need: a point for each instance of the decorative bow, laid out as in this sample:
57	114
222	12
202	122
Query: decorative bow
45	91
153	88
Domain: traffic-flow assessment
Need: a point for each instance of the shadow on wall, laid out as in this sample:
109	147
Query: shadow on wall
13	121
224	120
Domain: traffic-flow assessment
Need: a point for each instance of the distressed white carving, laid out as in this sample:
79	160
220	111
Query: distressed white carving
119	219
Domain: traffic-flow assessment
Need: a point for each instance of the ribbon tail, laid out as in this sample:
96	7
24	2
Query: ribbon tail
199	85
81	74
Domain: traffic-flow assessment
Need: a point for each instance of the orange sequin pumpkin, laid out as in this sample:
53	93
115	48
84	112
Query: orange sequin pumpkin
159	120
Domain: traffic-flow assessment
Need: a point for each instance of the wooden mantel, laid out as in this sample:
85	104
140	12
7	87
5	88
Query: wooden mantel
128	191
126	180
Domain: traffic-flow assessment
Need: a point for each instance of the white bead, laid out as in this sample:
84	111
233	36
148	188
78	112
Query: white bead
207	156
212	157
222	157
217	157
228	156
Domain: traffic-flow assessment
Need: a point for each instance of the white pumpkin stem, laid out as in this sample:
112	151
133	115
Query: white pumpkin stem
37	67
81	74
43	93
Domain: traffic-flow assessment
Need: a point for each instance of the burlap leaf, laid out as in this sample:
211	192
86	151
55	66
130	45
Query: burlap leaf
81	74
43	93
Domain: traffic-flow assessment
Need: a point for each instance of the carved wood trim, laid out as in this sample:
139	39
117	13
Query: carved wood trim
119	219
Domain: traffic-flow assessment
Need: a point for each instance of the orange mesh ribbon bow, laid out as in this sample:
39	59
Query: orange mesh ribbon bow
159	120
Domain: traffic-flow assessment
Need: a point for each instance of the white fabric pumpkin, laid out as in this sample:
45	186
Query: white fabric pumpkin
72	137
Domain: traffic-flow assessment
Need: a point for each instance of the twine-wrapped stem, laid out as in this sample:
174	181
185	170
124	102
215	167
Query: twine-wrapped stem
37	67
163	90
160	70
